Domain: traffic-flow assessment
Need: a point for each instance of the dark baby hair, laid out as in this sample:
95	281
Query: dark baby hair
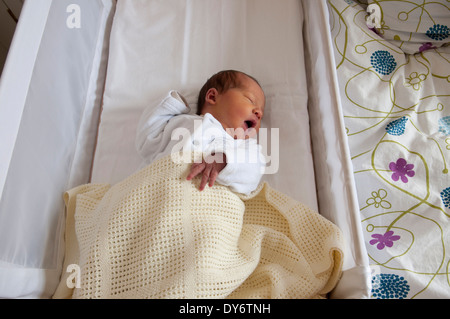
222	82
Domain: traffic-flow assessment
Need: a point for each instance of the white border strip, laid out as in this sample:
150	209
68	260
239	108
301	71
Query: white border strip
16	77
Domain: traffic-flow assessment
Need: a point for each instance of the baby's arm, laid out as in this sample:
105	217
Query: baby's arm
151	125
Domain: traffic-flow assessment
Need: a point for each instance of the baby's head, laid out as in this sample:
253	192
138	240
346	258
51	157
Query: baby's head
236	100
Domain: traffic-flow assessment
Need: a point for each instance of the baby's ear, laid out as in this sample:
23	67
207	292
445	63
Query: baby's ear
211	95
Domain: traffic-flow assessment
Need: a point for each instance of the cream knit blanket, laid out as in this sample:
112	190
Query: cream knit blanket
154	235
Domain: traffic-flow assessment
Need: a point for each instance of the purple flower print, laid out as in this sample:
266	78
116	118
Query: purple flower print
384	240
426	46
401	169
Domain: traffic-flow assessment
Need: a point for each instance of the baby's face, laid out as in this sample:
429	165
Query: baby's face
240	110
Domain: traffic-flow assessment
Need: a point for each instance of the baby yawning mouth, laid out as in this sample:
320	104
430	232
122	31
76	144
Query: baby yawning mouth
247	130
250	124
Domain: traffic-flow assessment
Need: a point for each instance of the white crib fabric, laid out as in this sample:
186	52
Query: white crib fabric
50	95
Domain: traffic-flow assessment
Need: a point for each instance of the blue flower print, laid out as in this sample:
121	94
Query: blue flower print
397	127
438	32
389	286
383	62
444	125
445	196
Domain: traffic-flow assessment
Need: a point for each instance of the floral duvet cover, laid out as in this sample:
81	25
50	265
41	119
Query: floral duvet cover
396	108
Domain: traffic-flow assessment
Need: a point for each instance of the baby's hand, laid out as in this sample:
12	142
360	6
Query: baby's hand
210	168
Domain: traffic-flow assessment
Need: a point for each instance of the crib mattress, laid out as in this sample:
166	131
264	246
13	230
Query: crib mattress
160	46
157	46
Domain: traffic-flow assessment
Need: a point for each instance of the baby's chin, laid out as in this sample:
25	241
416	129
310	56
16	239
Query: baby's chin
241	134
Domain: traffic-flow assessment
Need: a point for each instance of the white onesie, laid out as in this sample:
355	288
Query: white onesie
169	128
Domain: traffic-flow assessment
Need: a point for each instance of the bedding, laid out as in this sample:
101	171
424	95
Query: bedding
396	109
413	26
155	235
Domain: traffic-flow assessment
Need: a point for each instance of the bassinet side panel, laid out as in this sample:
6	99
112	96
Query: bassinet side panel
335	185
50	98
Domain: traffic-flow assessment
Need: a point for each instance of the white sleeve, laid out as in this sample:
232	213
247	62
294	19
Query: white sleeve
245	166
150	129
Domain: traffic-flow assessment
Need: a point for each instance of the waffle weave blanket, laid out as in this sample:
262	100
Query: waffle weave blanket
155	235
